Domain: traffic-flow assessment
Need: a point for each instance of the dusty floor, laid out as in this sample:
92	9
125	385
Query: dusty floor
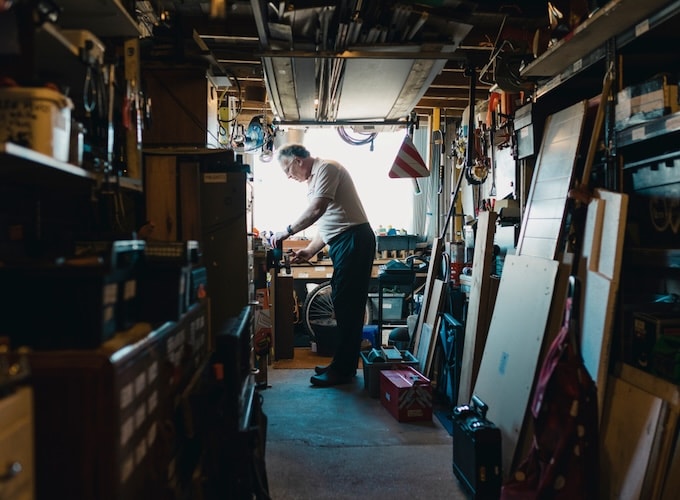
339	443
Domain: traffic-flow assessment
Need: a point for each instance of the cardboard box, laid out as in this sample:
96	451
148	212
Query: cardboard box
650	99
406	394
372	369
294	244
37	118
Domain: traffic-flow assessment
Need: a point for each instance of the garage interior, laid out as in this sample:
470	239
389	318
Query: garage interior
155	345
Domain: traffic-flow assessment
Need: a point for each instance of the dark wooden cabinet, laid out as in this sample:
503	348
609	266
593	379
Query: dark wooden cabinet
114	422
203	195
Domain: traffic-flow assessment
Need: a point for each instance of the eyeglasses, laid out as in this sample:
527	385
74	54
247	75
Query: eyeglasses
288	166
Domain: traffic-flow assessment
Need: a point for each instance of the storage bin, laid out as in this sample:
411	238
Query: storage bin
392	306
60	306
372	370
37	118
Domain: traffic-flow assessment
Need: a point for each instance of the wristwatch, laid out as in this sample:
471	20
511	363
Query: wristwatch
290	231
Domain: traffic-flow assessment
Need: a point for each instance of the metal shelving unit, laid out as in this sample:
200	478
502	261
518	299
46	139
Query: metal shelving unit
658	127
620	20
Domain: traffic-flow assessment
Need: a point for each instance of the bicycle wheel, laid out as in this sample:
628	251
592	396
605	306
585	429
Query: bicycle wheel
318	310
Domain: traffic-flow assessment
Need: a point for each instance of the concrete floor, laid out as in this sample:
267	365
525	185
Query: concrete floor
339	443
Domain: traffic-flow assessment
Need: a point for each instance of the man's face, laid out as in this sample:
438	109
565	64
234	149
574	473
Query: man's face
292	168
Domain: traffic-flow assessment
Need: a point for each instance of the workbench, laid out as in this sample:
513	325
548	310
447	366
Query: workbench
323	269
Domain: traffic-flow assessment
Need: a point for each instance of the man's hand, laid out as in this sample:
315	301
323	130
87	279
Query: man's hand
302	255
280	236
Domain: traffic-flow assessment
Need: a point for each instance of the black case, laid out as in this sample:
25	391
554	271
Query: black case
477	450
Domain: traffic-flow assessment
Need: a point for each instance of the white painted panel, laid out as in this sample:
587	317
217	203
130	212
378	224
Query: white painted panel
538	247
510	359
597	312
554	170
555	188
592	233
613	229
543	228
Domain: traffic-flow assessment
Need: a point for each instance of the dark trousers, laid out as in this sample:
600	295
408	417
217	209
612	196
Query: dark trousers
352	253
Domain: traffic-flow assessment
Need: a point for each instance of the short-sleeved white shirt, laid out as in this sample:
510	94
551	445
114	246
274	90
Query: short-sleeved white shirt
329	179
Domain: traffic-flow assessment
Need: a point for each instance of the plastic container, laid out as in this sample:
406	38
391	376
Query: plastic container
392	305
37	118
372	369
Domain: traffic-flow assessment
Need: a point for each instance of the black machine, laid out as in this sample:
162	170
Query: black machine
477	450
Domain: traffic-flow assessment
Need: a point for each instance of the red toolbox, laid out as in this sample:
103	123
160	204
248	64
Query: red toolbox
406	394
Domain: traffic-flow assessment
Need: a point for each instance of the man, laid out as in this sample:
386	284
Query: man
343	226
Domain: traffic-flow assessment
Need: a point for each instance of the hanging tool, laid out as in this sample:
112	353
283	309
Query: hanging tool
437	147
492	154
476	166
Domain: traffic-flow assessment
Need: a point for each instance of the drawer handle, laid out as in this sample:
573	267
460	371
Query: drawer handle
13	469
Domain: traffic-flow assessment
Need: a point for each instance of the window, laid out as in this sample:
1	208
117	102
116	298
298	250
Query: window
388	202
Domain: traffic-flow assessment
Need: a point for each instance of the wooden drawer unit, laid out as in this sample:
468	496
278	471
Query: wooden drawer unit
107	422
16	445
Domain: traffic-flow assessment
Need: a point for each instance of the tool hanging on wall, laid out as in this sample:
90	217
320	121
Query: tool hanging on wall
437	148
476	161
492	154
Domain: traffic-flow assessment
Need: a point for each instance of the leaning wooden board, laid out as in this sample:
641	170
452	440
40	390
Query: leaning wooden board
629	432
434	267
427	345
602	250
510	358
478	311
542	222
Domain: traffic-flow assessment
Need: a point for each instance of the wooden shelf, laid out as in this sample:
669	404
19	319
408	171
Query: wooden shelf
649	130
664	258
607	22
656	386
128	183
23	165
104	18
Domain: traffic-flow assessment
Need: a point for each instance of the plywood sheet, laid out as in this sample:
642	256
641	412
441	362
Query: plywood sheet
428	338
598	306
602	250
516	332
592	234
671	486
613	230
478	311
423	346
546	203
161	201
629	429
433	269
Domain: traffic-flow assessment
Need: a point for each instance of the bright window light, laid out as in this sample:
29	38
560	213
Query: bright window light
388	202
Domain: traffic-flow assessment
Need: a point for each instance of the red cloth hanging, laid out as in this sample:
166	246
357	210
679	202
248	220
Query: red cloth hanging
563	462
